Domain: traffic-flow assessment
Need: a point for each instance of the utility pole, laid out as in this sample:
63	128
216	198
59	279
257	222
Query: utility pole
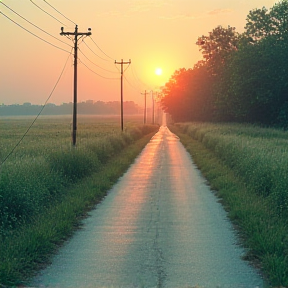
76	34
153	113
145	93
157	108
122	63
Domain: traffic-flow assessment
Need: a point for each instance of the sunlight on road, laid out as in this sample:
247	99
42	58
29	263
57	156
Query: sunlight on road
159	226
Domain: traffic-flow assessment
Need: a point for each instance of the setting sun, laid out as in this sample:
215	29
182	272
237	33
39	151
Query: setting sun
158	71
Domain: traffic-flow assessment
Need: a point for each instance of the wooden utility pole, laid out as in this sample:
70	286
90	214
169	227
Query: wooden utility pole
153	111
76	34
122	63
145	93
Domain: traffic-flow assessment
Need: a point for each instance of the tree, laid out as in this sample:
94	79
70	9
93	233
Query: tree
242	77
187	96
254	84
258	24
217	45
262	23
251	84
174	93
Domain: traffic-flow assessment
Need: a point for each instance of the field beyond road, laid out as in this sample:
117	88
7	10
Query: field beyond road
248	167
47	186
159	226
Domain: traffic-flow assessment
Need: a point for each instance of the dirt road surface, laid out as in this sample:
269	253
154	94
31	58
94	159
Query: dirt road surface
159	226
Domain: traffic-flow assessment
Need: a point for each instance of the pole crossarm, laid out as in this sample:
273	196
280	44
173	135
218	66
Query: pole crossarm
76	34
122	63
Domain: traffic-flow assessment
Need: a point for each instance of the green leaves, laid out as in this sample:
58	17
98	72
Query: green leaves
262	23
242	77
217	45
258	24
187	95
257	77
247	166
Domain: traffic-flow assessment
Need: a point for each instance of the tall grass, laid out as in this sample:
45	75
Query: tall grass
39	203
248	166
259	156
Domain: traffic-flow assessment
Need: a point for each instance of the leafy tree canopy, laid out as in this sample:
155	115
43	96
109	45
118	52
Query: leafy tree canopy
218	43
242	77
262	23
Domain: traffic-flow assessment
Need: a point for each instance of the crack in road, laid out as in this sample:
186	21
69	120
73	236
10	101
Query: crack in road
161	275
159	226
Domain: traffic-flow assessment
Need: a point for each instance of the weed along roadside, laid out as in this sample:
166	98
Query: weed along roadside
43	198
247	167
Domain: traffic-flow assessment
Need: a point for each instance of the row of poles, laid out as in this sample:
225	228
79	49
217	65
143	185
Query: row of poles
145	106
77	35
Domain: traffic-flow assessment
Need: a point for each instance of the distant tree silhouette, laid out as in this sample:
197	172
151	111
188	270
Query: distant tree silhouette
89	108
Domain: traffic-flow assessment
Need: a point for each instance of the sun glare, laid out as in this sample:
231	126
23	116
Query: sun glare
158	71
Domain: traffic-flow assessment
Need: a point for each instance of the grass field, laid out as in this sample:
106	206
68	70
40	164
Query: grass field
54	132
248	167
46	185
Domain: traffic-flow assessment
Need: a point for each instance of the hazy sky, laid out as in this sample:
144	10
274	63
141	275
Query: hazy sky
152	33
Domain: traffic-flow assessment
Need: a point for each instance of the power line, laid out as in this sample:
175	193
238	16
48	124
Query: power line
93	51
95	63
129	63
33	33
136	84
34	24
134	74
47	13
109	78
100	49
60	12
117	68
137	89
42	108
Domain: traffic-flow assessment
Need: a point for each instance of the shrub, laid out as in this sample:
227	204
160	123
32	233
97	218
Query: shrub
38	205
74	164
29	184
25	191
102	149
248	167
257	155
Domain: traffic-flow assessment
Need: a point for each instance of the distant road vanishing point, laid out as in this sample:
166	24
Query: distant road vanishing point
159	226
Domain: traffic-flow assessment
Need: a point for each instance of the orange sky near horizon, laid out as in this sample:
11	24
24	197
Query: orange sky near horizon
153	34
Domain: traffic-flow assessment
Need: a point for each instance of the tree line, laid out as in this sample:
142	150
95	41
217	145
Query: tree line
89	108
241	78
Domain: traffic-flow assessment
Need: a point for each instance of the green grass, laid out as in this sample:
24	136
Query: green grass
46	186
247	166
258	156
51	133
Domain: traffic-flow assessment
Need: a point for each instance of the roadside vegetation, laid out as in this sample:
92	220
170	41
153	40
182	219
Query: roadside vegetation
243	77
247	166
47	186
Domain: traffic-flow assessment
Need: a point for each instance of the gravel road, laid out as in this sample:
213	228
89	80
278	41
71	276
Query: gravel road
159	226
